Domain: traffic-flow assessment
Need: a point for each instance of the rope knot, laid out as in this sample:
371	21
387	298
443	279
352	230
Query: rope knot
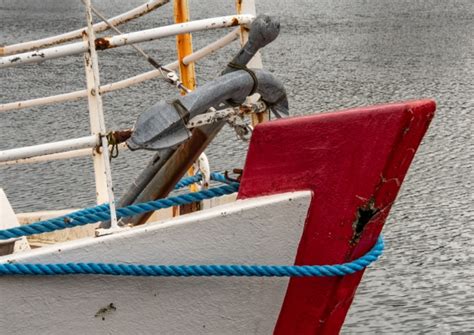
114	138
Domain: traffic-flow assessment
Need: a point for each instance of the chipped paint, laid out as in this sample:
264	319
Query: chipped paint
102	43
104	311
38	54
364	215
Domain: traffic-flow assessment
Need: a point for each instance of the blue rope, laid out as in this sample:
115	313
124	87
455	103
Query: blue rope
102	213
197	178
188	181
196	270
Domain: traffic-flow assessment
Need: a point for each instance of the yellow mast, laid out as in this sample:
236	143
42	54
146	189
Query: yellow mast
184	47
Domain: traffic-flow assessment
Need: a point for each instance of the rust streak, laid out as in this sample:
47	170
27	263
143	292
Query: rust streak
234	22
121	136
102	43
239	6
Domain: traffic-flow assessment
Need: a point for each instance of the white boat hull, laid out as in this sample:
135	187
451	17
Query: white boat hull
264	230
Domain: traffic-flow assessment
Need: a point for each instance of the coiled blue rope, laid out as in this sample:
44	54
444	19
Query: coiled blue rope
195	270
102	213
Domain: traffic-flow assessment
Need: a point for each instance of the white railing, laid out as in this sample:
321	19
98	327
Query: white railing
89	145
49	148
76	34
121	40
194	57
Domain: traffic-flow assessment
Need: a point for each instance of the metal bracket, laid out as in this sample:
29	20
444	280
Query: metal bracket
242	130
233	116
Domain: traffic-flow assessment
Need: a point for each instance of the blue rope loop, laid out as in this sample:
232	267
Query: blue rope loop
102	212
231	270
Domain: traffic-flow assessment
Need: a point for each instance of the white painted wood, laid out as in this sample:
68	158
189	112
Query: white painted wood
162	214
8	220
96	114
31	217
42	240
263	230
101	160
214	202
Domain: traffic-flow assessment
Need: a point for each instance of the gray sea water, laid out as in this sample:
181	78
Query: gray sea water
331	55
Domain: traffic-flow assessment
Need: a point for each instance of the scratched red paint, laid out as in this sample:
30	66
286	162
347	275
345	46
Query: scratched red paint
347	159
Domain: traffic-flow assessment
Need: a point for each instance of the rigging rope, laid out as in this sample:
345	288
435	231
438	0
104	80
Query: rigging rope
170	76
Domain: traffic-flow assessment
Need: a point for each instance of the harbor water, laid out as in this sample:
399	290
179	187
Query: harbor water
331	55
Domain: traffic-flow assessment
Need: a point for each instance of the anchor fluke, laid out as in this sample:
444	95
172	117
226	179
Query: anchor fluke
161	127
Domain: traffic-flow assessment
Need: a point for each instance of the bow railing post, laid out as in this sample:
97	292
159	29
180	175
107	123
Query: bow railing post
103	174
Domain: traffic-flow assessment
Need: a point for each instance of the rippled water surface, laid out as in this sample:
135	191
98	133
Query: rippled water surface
331	55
